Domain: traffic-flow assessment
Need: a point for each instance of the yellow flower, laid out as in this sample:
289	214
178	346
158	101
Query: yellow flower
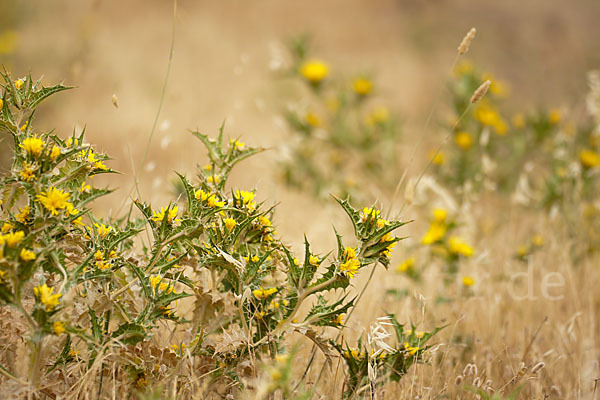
229	223
171	216
312	119
44	294
406	265
312	260
463	140
380	115
103	265
28	172
489	116
33	146
264	293
213	179
154	281
27	255
437	158
555	116
410	349
388	238
244	198
314	71
537	240
522	250
589	158
72	142
58	327
54	200
84	188
23	214
440	215
339	319
7	226
362	86
103	230
12	239
236	144
19	83
468	281
350	267
436	232
465	67
369	213
55	153
458	246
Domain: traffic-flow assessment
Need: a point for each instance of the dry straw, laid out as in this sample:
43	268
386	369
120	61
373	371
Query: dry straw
481	91
466	42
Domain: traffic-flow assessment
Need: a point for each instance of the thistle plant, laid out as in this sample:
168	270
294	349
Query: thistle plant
209	268
344	138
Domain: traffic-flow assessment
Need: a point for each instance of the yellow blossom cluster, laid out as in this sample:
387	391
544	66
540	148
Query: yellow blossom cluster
171	215
314	71
45	295
264	293
350	263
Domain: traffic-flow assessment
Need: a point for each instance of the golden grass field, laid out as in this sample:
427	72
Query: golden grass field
227	65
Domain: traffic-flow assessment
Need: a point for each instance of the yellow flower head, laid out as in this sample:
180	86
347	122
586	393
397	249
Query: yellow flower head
589	158
7	226
555	116
55	153
350	267
33	146
439	215
314	71
457	246
369	213
19	83
229	223
45	296
28	172
362	86
378	116
468	281
312	119
406	265
53	200
244	198
339	319
23	214
264	293
27	255
155	281
537	240
236	144
463	140
312	260
103	230
58	327
436	232
12	239
171	216
437	157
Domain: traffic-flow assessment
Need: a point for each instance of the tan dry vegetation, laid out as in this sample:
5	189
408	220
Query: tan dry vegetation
222	69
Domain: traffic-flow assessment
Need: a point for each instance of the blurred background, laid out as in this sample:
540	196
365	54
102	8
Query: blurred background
225	65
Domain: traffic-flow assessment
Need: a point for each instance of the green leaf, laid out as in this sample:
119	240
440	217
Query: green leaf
130	333
37	96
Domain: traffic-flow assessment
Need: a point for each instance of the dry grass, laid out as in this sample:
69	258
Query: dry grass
492	340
